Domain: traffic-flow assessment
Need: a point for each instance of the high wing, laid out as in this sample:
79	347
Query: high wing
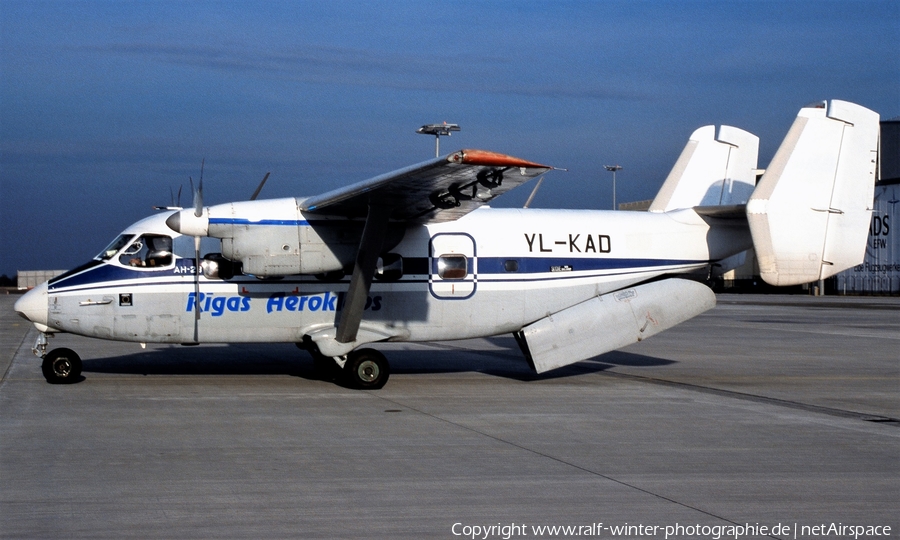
438	190
442	189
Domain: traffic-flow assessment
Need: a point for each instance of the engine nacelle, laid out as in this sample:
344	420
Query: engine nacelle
274	238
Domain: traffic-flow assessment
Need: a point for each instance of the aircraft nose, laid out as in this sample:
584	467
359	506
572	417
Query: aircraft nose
33	305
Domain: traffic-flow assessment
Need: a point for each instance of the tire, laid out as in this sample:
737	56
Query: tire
366	369
62	366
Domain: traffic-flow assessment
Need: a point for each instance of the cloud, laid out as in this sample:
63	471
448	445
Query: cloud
383	69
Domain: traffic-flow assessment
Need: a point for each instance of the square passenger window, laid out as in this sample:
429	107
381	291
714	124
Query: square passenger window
453	266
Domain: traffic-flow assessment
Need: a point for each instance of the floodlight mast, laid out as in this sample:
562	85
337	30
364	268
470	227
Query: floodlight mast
613	169
437	130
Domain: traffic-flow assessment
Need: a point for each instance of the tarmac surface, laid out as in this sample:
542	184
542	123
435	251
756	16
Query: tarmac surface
765	411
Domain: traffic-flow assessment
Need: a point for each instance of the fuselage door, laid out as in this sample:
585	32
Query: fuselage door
454	266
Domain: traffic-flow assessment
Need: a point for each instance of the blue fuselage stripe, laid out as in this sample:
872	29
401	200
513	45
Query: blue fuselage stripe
281	222
540	265
493	269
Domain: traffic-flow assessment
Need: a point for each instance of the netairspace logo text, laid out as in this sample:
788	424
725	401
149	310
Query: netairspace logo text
713	532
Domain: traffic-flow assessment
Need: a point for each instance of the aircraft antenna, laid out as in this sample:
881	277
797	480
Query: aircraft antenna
437	130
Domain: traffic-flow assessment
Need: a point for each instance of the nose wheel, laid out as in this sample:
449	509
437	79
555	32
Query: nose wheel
61	366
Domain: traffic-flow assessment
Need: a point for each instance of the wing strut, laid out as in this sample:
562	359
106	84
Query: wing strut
363	271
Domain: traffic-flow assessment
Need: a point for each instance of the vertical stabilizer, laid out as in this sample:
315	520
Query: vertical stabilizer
809	216
713	170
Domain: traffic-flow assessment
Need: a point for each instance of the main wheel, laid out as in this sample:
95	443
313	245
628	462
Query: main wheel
61	366
366	369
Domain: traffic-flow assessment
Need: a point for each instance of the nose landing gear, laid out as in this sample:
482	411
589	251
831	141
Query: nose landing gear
60	366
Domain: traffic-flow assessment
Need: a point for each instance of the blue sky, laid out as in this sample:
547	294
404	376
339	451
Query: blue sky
107	106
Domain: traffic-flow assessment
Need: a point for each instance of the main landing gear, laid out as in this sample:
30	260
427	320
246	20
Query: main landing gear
60	366
363	369
366	369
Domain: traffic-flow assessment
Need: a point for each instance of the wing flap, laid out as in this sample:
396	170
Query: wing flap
438	190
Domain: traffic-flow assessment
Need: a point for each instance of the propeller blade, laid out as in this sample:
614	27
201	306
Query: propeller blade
259	188
198	195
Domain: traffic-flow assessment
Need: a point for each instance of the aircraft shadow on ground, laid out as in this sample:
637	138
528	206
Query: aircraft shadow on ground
285	359
507	361
264	359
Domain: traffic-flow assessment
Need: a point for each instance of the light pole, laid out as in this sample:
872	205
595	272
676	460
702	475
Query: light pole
613	169
437	130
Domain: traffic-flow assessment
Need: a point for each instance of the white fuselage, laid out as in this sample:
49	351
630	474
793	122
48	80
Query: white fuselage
513	267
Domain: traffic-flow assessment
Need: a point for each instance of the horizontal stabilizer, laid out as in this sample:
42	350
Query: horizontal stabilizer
809	216
713	170
612	321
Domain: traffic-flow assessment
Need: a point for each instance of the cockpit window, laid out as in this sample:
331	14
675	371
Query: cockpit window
184	246
148	251
114	247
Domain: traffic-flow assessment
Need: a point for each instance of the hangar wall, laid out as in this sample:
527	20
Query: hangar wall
880	271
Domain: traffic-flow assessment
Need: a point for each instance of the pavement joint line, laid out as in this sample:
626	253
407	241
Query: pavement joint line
811	303
14	354
842	413
757	398
712	390
559	460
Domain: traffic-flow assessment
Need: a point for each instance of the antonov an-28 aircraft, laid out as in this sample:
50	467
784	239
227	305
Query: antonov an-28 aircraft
416	255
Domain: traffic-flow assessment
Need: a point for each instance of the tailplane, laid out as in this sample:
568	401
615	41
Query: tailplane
716	168
809	216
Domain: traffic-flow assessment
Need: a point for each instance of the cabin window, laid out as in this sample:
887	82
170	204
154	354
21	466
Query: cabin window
148	251
453	266
511	265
